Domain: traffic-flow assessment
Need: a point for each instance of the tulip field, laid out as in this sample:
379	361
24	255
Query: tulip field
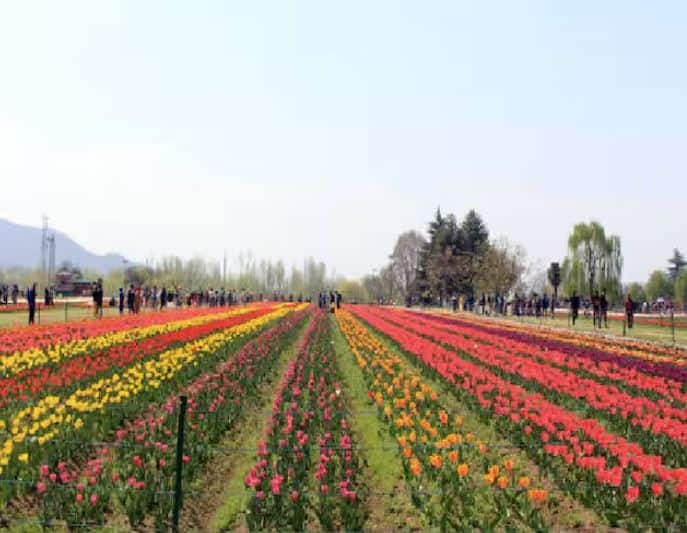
370	418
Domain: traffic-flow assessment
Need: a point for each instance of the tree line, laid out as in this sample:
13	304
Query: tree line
256	276
458	258
455	258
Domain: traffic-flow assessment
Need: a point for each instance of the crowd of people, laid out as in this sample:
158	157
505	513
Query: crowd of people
330	301
9	294
136	298
497	304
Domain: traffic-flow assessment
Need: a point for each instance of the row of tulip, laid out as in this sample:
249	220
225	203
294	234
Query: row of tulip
660	355
606	471
33	356
60	422
307	459
605	370
459	481
136	470
21	338
644	419
34	383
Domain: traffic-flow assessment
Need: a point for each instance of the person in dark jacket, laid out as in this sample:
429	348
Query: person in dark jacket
163	298
596	309
121	300
629	311
603	308
574	306
98	295
130	299
31	300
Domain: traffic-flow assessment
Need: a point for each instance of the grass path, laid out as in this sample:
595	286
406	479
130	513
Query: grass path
220	493
389	505
52	315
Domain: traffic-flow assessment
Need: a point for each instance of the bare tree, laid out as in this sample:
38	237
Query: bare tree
404	260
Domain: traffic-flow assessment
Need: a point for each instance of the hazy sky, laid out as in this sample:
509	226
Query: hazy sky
327	128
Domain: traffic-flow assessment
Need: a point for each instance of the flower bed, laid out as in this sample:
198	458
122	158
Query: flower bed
603	469
138	469
475	487
307	460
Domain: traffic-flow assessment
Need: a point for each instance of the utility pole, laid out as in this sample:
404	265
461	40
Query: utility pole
51	260
44	248
554	274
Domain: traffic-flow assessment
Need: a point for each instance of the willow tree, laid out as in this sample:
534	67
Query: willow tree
594	262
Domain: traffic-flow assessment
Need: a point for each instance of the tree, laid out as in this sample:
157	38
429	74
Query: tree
659	285
374	287
678	264
475	234
637	292
680	289
594	260
452	259
503	267
138	275
405	259
386	277
352	291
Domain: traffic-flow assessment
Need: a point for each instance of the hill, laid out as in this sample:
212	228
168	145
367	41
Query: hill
21	247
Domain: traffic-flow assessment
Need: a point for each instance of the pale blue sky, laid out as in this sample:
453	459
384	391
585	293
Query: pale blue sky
325	129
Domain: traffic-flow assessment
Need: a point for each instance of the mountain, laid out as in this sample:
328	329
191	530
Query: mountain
21	246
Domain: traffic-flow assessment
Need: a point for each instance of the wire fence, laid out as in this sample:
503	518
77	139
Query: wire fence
179	492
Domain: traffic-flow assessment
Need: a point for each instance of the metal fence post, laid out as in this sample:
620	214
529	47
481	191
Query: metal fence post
180	464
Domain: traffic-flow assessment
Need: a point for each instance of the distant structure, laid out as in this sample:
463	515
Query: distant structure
70	283
47	253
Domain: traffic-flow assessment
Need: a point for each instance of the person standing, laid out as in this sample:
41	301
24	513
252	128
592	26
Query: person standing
596	309
629	311
163	298
603	307
138	300
574	306
121	300
98	298
545	304
31	300
130	299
